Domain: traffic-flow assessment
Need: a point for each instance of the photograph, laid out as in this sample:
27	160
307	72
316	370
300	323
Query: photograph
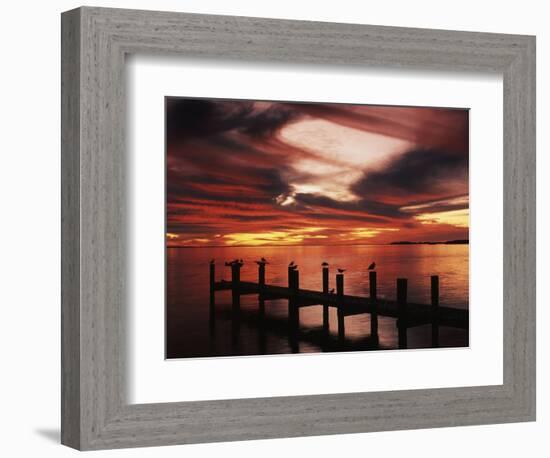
306	227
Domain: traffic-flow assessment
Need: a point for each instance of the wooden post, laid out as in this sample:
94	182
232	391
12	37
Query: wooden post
374	307
435	310
212	295
326	325
295	310
340	293
261	283
290	277
293	280
291	298
296	280
212	286
261	300
236	287
402	312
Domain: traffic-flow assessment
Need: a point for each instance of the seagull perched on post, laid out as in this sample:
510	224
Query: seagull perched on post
341	271
372	266
291	264
293	267
324	264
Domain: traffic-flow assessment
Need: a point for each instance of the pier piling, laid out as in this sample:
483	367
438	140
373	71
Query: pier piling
212	316
236	287
326	328
374	307
293	311
340	307
402	311
435	310
261	284
212	286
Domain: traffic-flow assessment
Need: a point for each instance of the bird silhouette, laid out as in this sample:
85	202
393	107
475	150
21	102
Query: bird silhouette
291	264
341	271
372	266
324	264
293	267
331	291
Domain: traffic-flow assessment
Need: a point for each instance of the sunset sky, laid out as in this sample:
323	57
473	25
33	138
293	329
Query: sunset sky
274	173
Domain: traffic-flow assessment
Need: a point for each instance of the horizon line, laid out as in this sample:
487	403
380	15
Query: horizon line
327	245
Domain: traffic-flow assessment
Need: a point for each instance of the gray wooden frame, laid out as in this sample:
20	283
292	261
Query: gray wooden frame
95	413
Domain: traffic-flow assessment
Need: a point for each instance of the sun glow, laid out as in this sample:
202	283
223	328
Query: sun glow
288	237
367	233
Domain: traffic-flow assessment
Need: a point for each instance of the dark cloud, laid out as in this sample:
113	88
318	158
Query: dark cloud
218	186
418	172
369	210
192	118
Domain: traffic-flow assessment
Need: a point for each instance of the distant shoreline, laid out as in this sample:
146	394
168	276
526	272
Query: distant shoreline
447	242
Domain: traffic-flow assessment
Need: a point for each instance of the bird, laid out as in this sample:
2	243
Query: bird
341	271
324	264
291	264
372	266
293	267
331	291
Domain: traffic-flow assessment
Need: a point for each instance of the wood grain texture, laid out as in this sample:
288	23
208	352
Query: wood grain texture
70	229
96	413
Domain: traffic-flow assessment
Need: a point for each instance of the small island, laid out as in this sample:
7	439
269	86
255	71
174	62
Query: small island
447	242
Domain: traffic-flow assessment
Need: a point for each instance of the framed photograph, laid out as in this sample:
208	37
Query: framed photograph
257	185
280	228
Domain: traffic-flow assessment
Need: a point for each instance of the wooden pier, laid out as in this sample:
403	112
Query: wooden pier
407	314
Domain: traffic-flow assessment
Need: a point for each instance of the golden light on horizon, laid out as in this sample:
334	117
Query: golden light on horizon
288	237
457	218
367	233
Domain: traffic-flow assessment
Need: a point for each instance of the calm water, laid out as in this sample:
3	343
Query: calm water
192	333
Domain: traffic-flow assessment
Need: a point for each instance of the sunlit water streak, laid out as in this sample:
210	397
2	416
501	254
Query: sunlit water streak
189	333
